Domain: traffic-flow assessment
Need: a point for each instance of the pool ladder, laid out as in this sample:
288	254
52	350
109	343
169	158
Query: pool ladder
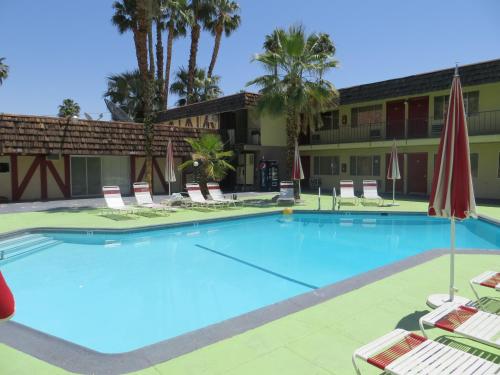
25	244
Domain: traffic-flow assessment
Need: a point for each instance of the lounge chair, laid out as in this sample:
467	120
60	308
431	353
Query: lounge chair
114	201
347	192
197	197
216	194
144	199
287	195
465	321
488	279
370	192
177	199
403	352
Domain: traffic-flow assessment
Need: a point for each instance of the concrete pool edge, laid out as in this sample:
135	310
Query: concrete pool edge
76	358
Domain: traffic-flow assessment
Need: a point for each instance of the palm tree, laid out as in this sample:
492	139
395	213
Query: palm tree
69	108
209	152
201	11
294	86
225	19
204	88
177	16
4	70
125	19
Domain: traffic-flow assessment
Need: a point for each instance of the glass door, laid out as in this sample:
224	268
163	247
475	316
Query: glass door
85	176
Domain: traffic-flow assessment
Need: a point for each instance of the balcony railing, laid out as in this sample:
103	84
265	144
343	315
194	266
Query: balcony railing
480	123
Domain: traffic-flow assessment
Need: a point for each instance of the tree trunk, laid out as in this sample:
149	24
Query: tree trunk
159	64
215	52
291	138
195	37
151	50
170	42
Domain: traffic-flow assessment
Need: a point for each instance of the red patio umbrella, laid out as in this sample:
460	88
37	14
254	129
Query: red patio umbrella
393	170
7	304
452	194
169	166
297	172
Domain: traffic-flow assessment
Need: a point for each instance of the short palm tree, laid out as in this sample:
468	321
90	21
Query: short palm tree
204	88
4	70
225	19
294	86
69	108
213	161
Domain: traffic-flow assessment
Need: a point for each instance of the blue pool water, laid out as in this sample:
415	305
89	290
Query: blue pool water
119	292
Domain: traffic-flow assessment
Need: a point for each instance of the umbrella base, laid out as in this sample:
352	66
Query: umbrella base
436	300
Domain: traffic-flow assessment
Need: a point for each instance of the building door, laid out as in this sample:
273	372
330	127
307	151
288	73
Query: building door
400	182
306	168
395	119
85	176
418	117
417	173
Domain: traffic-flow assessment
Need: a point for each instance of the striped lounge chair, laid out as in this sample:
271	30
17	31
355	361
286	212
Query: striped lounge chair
114	201
144	199
403	352
287	195
370	192
488	279
465	321
347	192
216	194
197	198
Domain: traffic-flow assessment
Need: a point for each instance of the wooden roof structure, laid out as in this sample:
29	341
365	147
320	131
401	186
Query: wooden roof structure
38	135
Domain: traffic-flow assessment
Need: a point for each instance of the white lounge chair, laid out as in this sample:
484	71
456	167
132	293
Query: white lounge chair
144	199
370	192
488	279
197	198
466	321
216	194
347	191
287	195
114	201
403	352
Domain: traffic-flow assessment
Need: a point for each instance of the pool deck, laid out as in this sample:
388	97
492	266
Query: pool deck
316	340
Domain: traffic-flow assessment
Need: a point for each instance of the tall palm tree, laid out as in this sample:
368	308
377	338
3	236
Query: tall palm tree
204	88
225	19
4	70
69	108
201	11
294	86
272	45
209	152
177	16
125	19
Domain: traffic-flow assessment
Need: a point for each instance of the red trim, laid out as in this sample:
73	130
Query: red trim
29	175
13	176
492	282
141	190
192	188
160	174
67	176
132	170
43	177
62	186
395	351
110	192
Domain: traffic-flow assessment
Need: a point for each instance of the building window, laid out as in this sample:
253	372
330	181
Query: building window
440	106
474	164
326	165
471	102
329	120
367	115
365	165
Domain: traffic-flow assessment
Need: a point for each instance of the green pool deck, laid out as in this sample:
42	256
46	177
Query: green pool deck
317	340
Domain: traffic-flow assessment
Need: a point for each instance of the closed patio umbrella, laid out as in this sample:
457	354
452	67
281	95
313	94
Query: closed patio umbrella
297	172
393	170
452	194
169	166
7	304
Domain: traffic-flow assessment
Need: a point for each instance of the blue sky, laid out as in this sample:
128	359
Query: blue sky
59	49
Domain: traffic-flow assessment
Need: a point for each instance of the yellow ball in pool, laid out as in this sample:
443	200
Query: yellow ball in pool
287	211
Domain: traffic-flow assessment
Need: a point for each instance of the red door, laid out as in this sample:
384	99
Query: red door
418	116
306	168
399	183
395	119
417	173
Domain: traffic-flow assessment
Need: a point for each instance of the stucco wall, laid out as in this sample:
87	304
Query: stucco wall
273	131
5	181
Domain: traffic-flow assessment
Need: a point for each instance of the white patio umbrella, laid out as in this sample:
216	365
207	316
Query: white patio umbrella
452	194
393	170
169	166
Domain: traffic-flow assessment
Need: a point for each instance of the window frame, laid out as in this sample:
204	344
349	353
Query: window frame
365	108
318	171
374	160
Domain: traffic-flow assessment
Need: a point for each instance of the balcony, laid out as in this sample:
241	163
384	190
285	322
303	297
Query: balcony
480	123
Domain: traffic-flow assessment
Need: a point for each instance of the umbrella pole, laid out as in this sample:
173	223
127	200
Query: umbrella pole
393	191
452	259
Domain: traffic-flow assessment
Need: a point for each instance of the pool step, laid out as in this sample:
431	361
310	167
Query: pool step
25	244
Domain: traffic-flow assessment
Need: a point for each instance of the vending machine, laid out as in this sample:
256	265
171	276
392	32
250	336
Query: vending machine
268	175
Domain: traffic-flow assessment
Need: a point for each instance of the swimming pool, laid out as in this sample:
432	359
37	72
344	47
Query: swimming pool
116	292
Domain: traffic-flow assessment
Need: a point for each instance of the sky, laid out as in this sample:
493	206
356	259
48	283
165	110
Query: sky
65	49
